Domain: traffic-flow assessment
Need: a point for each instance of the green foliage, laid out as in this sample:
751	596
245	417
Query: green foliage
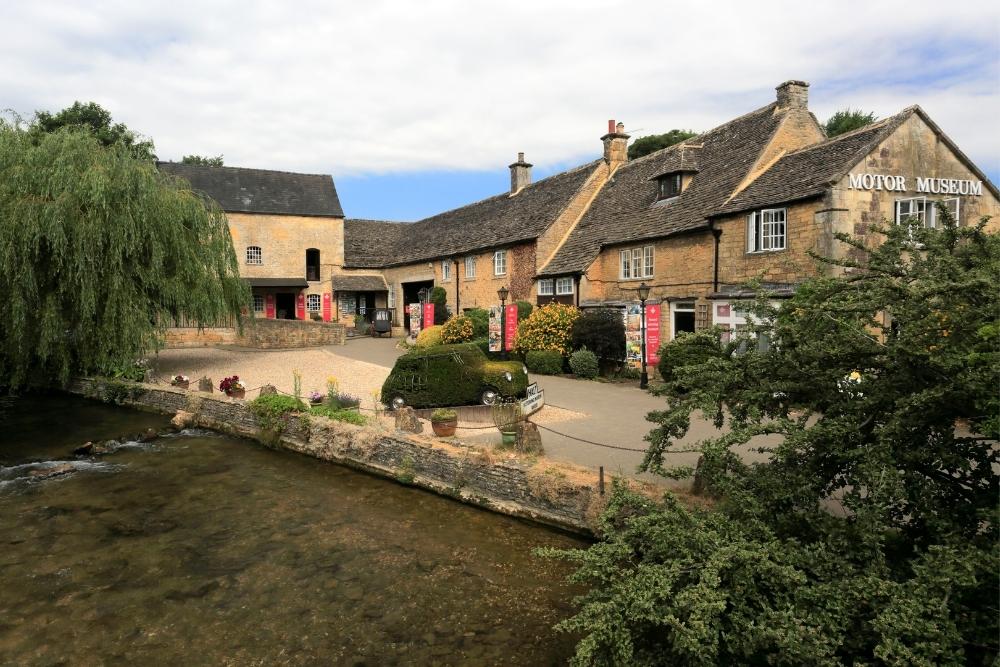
544	362
495	375
602	331
480	322
688	349
848	119
95	119
339	414
443	415
98	252
202	160
269	410
439	297
583	363
524	309
870	533
458	329
651	144
430	337
547	328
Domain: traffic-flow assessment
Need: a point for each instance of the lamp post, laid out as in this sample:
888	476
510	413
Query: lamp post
503	293
643	295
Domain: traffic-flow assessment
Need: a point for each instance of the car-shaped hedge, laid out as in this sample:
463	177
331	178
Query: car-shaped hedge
446	375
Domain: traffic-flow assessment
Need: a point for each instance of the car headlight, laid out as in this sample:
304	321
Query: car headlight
508	376
524	368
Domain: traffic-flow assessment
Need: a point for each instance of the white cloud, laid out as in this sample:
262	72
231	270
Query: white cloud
349	88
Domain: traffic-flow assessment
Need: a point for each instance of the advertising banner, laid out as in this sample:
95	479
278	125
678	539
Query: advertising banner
300	306
327	307
652	334
633	335
427	318
414	320
494	330
269	306
510	323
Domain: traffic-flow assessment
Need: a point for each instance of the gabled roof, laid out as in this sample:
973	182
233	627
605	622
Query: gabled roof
498	221
241	190
626	209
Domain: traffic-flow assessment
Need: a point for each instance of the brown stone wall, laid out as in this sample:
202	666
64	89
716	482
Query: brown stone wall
267	334
194	337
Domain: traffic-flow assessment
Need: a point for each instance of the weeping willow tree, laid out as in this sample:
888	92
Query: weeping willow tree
98	252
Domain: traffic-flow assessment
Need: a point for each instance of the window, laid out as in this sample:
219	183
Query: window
766	230
312	264
254	255
391	298
258	303
925	212
545	287
313	303
670	186
564	285
500	263
445	270
470	266
953	208
636	263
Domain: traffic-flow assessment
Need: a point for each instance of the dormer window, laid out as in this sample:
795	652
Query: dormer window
669	185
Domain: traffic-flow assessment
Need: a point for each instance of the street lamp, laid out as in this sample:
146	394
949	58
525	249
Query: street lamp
643	295
423	294
503	293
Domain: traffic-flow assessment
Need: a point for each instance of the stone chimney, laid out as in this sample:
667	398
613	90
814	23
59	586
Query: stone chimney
615	144
793	95
520	174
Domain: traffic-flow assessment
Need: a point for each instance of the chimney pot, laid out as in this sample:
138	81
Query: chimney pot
520	174
611	126
793	95
615	144
620	128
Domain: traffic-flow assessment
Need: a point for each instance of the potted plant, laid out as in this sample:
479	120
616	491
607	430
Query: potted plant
232	387
316	397
506	415
444	421
360	325
180	381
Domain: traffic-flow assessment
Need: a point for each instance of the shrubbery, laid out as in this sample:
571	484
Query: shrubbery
524	310
480	322
341	415
602	331
439	297
688	349
547	328
544	362
429	337
583	363
269	409
458	329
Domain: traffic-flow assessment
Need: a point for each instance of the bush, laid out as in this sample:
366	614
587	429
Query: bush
524	309
480	322
688	350
602	331
349	416
544	362
458	329
269	409
439	297
429	337
443	415
547	328
583	362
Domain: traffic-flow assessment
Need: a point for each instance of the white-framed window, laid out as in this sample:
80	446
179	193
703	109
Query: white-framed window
926	211
258	303
952	205
734	317
445	270
766	230
390	300
254	255
564	285
313	303
636	263
545	287
470	266
500	263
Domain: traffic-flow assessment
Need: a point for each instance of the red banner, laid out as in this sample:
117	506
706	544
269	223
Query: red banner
510	325
269	306
300	306
653	334
327	307
427	316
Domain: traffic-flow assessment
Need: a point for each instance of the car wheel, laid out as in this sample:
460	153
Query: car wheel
489	396
397	402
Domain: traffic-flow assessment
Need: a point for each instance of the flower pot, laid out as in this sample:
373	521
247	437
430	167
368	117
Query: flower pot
508	437
182	385
445	428
237	393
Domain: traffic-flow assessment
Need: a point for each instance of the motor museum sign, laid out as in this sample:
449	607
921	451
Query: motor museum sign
937	186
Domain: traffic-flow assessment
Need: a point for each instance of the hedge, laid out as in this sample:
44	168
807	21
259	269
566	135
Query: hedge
480	322
544	362
583	363
429	337
602	331
547	328
458	329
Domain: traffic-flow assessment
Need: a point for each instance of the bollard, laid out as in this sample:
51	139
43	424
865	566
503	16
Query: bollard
600	483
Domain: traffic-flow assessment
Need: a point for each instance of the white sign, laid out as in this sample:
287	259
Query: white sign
533	403
937	186
532	389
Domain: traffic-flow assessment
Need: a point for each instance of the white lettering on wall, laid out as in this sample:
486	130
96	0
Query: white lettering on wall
937	186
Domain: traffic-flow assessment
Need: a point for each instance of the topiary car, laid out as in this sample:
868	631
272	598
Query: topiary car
447	375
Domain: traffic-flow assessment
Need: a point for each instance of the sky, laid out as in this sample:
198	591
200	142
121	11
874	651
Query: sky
418	107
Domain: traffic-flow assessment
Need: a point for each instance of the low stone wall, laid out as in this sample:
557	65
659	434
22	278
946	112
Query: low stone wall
195	337
261	333
548	492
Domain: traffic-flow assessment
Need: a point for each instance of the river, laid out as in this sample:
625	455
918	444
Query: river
202	549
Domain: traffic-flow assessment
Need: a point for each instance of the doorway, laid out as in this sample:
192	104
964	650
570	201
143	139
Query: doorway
411	293
681	318
284	306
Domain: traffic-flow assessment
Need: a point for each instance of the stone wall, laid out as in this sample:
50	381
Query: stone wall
551	493
195	337
262	334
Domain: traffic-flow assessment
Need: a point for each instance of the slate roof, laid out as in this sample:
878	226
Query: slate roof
261	190
359	284
498	221
626	210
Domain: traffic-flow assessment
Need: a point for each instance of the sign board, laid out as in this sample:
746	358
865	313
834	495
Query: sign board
532	389
653	334
532	403
414	320
300	306
327	307
924	185
494	328
347	305
510	325
633	340
427	317
269	306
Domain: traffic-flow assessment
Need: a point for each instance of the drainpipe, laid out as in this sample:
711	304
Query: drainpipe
715	263
458	289
576	289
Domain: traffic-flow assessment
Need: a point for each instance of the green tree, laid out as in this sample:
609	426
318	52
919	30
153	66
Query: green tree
98	252
202	160
439	297
848	119
870	533
98	120
651	144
